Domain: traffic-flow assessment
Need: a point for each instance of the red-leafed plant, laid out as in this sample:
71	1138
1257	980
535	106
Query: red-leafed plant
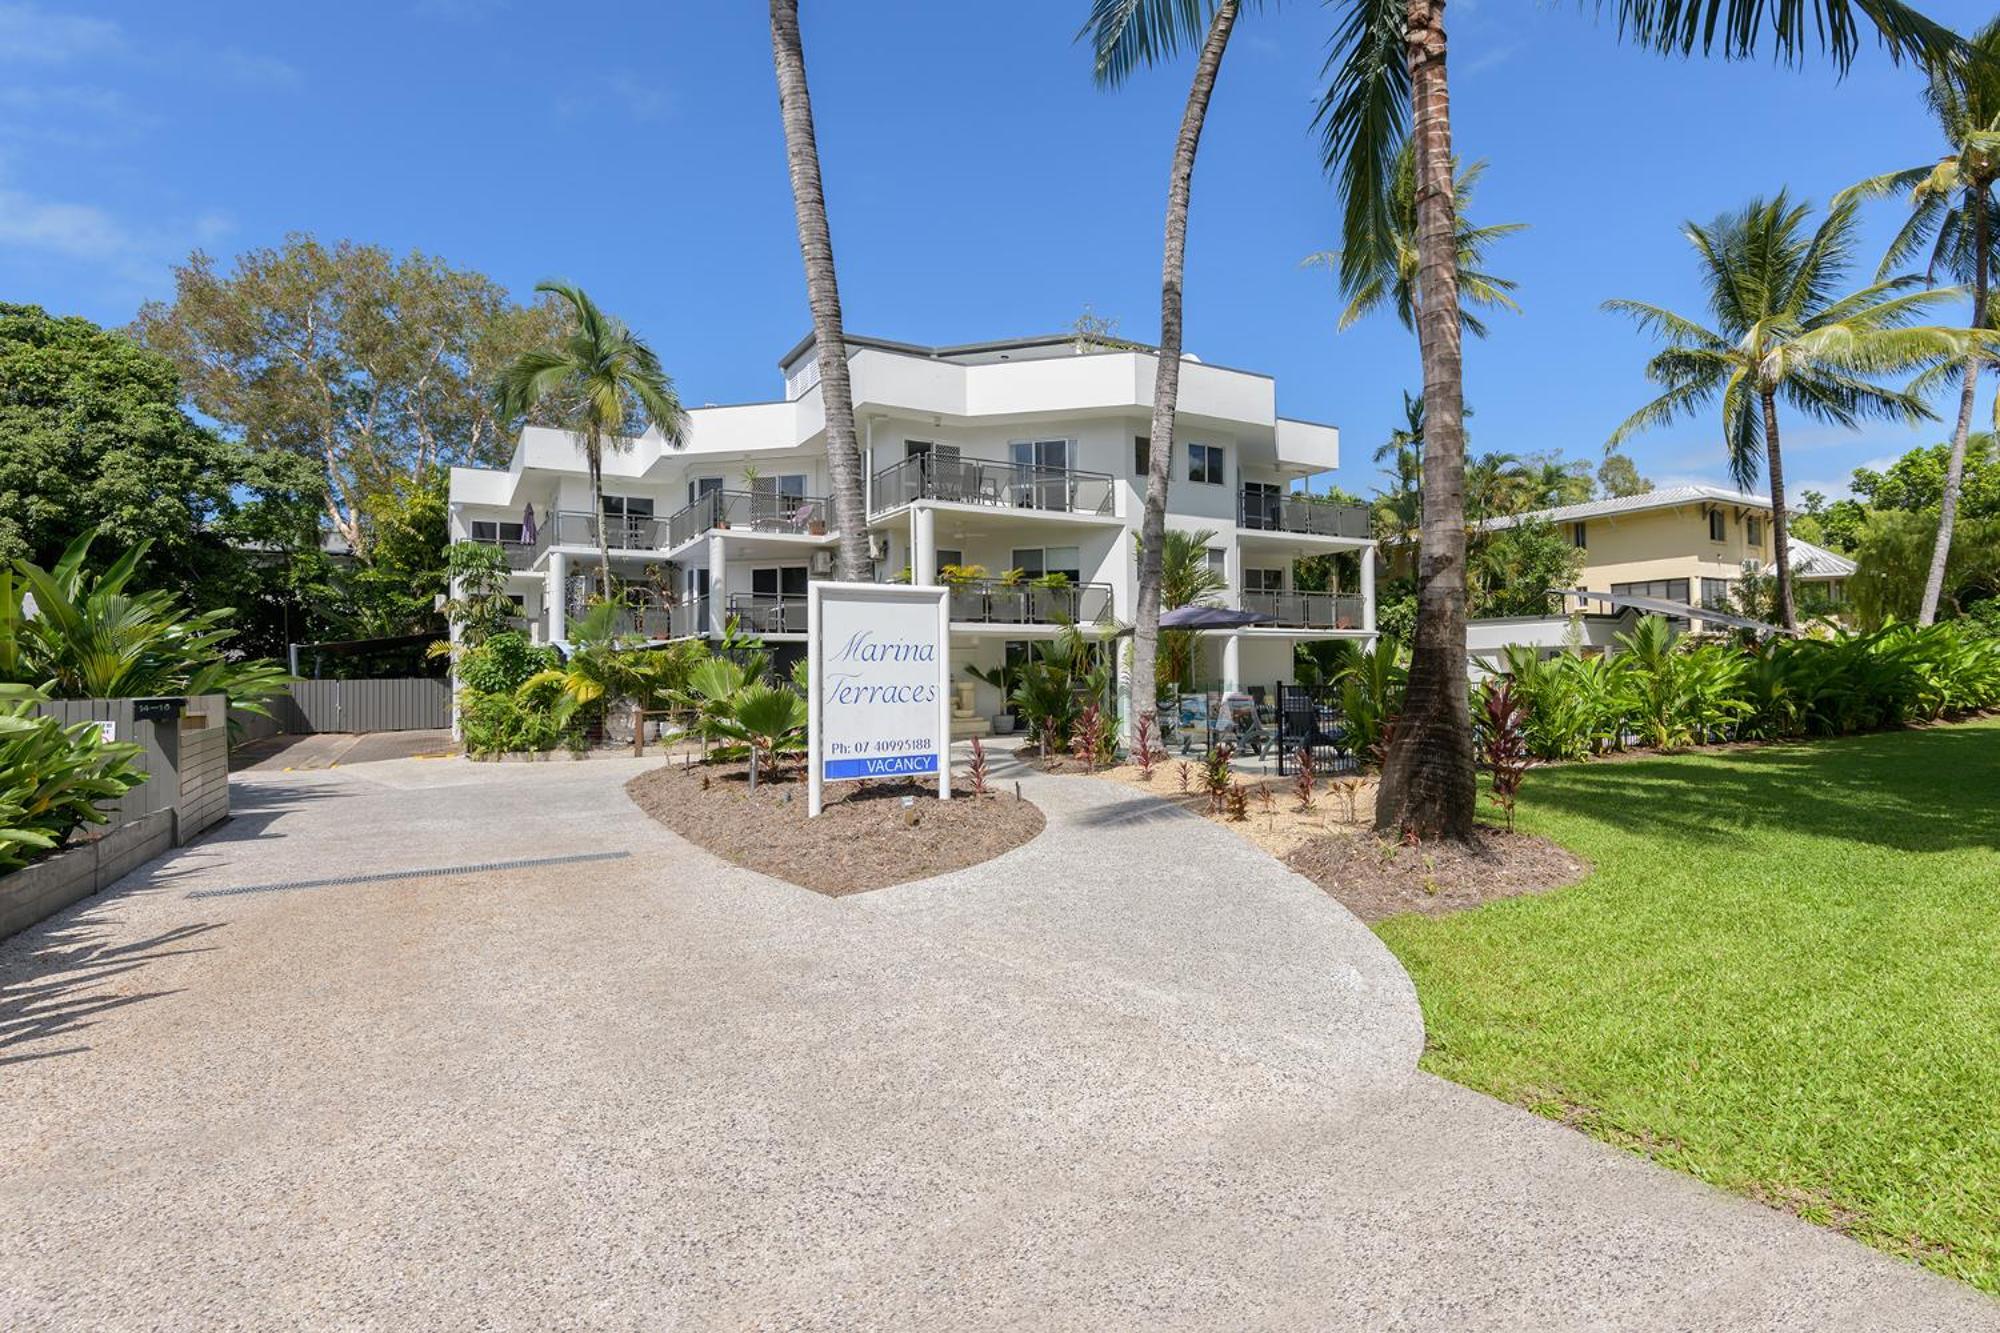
1087	736
1504	742
977	769
1302	783
1143	753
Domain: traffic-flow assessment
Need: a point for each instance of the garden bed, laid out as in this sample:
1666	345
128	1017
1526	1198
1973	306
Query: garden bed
865	839
1375	879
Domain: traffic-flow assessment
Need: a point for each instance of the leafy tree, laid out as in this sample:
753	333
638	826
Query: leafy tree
1781	332
481	610
1618	476
1952	209
605	381
93	441
373	368
395	591
1548	481
1919	479
1387	62
1124	36
1514	568
1892	566
843	447
1391	270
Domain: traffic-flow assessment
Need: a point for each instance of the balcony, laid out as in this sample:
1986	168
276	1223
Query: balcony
750	511
570	527
519	555
1261	511
1308	610
975	481
991	602
768	613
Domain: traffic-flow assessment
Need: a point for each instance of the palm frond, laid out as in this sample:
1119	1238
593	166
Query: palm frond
1363	121
1737	29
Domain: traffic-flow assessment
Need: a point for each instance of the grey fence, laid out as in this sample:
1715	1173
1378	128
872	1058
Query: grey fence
185	758
399	703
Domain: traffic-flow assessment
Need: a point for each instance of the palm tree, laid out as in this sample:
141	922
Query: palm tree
1952	209
1391	270
1398	511
1782	333
1493	481
1126	34
1186	579
606	382
1385	68
836	395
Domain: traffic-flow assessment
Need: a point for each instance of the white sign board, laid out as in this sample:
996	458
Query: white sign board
880	697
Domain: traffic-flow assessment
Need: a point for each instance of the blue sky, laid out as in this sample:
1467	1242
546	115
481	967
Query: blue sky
979	184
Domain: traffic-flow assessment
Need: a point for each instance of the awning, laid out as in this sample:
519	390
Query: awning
1208	617
1674	610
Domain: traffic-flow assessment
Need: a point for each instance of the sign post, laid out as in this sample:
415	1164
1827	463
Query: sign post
879	702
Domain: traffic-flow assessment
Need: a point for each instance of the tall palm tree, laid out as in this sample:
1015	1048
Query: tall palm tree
1782	333
836	395
1952	209
1390	274
1386	68
605	382
1126	34
1493	484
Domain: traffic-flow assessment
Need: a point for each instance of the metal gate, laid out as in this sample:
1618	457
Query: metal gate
1309	716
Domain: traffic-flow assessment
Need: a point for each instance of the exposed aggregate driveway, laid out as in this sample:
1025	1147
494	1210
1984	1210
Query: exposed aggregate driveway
1134	1074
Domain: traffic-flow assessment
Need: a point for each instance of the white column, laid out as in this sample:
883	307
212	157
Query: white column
1232	662
1368	589
718	585
923	545
557	594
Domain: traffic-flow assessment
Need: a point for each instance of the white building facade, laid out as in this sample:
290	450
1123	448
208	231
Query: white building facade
1013	470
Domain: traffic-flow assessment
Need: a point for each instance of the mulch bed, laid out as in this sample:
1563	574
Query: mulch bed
862	840
1375	879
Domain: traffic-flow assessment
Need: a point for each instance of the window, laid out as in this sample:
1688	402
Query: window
1261	505
1142	455
1051	454
1040	561
1715	594
1716	532
787	581
1263	580
1666	590
487	530
700	486
628	506
946	556
1218	561
1578	536
1205	463
1753	531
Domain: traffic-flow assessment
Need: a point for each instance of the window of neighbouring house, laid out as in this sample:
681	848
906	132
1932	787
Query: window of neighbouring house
1666	590
1716	529
488	530
1753	530
1578	536
628	506
947	557
1715	594
1205	464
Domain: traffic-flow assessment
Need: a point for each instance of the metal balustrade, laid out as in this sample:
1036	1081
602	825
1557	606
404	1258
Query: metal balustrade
752	511
519	554
991	602
569	527
768	613
1263	511
997	485
1307	610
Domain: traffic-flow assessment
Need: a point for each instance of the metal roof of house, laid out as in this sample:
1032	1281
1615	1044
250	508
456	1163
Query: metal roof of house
1815	562
1675	610
1666	497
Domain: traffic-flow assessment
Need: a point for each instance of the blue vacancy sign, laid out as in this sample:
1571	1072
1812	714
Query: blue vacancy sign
881	684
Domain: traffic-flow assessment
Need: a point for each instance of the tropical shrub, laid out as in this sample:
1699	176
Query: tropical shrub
1503	742
52	778
532	718
502	662
1371	694
92	637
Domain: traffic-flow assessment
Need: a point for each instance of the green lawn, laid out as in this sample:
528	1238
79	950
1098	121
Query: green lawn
1783	977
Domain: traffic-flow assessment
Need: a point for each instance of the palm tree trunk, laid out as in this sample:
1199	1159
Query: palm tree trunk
1781	541
1167	371
843	450
594	455
1954	473
1429	784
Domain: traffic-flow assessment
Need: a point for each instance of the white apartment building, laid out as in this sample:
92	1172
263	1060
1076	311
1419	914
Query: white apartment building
1023	455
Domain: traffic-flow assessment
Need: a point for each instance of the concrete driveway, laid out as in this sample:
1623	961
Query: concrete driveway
1132	1075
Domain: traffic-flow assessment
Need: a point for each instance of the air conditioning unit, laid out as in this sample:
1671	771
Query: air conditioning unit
1752	566
822	563
878	546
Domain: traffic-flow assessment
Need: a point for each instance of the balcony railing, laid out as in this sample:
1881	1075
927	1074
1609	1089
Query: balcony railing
1264	512
768	613
1307	610
519	554
622	532
752	511
990	602
999	485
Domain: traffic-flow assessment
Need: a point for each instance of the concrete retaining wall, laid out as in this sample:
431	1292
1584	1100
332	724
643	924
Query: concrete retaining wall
46	887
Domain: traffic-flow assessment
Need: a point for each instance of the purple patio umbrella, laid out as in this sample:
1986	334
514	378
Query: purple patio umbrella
528	524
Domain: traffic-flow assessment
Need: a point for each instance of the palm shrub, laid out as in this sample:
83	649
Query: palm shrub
52	778
1371	694
93	637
